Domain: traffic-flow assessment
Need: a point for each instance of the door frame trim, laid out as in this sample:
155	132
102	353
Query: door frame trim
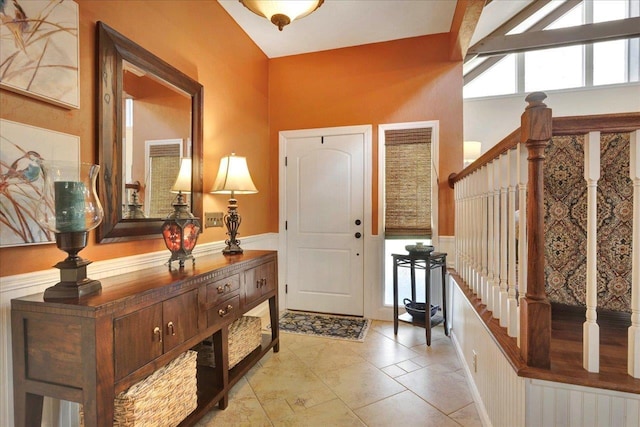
371	257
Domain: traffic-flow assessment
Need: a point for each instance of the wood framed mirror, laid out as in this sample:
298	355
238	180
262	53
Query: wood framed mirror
139	164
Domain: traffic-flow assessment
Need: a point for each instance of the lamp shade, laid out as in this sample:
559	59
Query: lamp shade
183	181
233	177
282	12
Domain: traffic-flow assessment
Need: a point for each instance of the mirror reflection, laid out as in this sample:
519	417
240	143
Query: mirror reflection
156	136
149	120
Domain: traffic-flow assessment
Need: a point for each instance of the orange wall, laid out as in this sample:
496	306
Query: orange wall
200	39
248	99
399	81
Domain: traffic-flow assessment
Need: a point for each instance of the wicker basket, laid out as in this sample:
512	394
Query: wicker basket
205	354
244	337
163	399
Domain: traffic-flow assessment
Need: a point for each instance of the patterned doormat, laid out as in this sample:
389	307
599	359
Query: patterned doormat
325	325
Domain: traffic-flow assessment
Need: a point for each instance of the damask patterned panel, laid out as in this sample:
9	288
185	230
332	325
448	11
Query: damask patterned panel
566	222
615	216
565	199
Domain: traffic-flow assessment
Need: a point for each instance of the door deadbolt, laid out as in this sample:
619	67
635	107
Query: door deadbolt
358	222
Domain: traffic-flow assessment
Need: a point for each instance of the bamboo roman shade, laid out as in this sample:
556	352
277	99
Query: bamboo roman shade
408	183
164	165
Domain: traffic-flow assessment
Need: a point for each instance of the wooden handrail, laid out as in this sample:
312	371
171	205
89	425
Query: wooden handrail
569	125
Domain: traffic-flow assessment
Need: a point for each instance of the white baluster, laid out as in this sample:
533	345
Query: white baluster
523	173
483	242
512	303
456	226
477	231
495	294
465	225
472	261
490	238
590	329
633	364
504	191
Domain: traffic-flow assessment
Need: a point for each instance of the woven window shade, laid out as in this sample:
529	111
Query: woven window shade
164	165
408	183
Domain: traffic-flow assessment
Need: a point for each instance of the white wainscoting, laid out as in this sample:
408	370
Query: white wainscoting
505	400
556	404
64	414
498	391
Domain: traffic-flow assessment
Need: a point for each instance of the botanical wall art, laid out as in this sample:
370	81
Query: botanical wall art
22	152
39	50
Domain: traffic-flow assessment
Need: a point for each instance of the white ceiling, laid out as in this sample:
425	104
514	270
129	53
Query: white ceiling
343	23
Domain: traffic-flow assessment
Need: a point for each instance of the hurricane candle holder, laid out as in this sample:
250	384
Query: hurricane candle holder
70	208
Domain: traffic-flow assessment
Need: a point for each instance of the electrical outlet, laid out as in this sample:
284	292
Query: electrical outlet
475	361
213	219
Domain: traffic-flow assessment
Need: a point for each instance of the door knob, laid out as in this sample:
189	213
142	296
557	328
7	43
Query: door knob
358	235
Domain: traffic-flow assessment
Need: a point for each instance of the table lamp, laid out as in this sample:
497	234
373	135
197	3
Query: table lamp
233	178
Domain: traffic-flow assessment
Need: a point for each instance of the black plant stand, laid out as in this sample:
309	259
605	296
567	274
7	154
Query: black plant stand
420	261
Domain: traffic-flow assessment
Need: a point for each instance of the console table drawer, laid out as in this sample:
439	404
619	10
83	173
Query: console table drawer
225	312
221	289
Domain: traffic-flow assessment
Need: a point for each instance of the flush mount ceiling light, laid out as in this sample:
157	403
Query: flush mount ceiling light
282	12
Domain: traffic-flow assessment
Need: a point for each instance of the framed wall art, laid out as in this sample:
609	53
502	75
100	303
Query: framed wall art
39	50
23	149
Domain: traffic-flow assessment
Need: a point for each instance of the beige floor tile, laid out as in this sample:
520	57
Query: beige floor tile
393	371
359	385
289	379
244	410
446	390
403	409
382	351
317	381
409	335
332	413
467	416
440	352
333	354
409	366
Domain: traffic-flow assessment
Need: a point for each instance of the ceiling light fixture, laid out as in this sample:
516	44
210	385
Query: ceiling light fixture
282	12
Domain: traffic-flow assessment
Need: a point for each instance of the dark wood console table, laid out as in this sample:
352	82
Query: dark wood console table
428	262
91	349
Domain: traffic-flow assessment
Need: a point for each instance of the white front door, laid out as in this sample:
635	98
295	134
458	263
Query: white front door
325	223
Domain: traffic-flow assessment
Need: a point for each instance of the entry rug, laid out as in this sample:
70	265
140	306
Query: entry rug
325	325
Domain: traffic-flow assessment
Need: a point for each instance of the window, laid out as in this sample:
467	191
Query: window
408	153
602	63
408	183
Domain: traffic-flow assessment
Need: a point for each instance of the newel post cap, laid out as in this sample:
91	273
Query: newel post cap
536	122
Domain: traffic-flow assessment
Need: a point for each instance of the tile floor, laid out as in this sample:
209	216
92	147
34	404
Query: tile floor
386	380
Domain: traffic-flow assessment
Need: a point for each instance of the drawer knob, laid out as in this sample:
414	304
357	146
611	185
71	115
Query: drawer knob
157	333
171	330
225	288
224	311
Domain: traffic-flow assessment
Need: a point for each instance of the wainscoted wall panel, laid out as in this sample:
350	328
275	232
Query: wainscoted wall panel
64	414
566	222
555	404
498	391
505	400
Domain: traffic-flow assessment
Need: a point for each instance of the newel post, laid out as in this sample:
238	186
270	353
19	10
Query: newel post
535	326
